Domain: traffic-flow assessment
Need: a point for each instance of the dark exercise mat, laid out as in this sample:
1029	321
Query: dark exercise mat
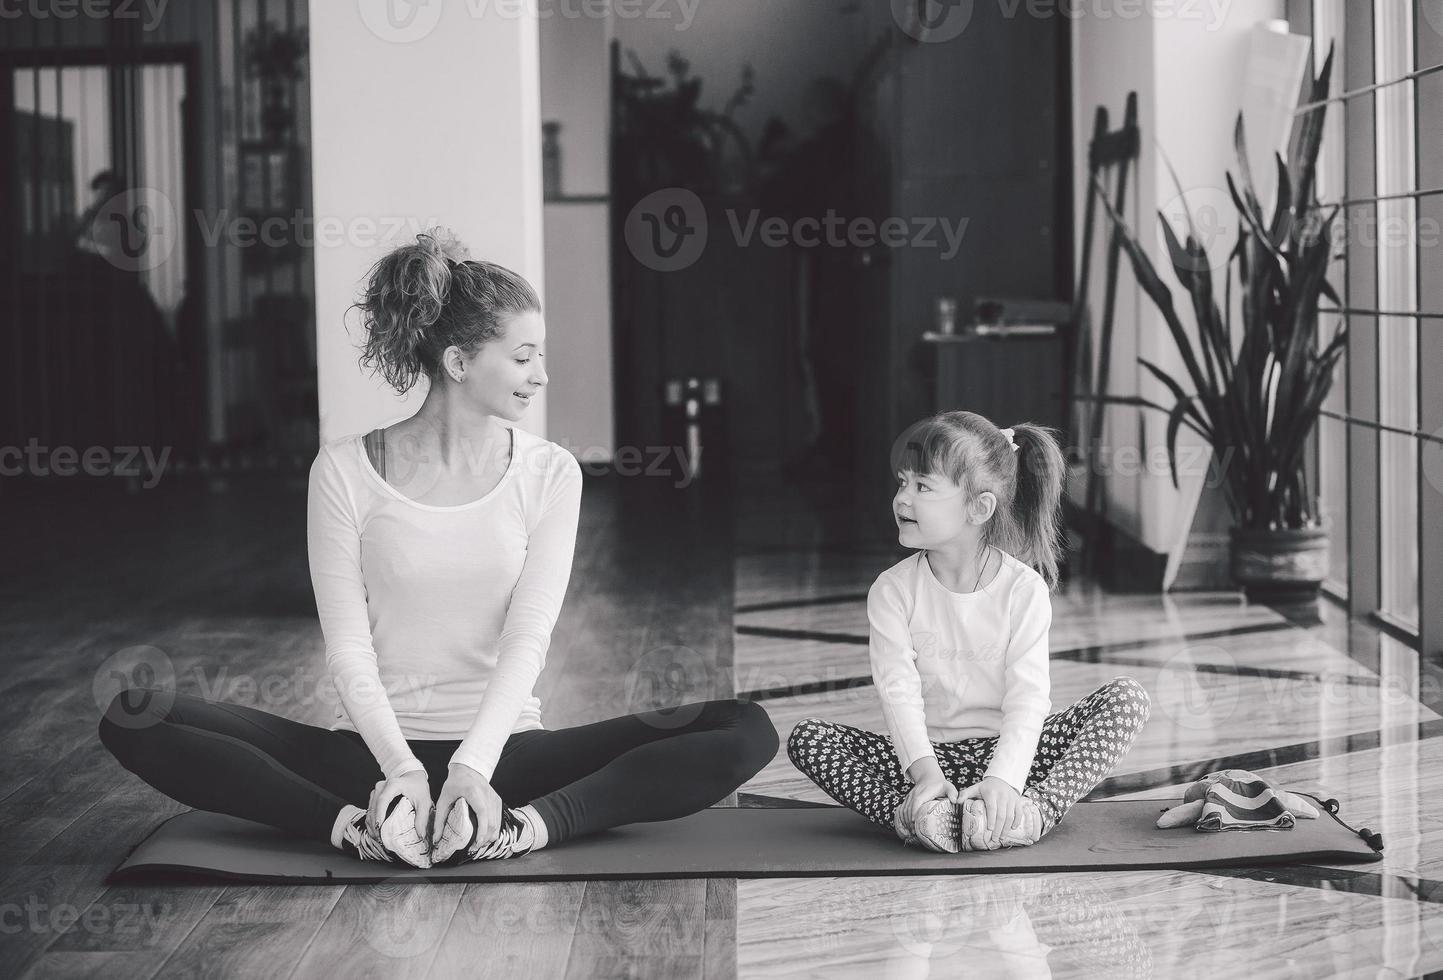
1114	835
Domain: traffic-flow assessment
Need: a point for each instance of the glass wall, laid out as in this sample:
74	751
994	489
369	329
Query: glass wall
1372	455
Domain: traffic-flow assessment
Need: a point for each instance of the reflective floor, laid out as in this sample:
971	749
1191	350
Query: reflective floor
1334	709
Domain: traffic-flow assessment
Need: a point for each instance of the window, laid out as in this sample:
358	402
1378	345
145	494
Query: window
1397	255
1387	75
1332	446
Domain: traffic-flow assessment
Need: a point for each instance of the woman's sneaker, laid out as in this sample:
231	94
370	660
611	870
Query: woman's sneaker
516	838
400	837
458	835
356	840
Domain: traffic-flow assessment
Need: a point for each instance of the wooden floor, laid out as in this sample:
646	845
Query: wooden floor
676	597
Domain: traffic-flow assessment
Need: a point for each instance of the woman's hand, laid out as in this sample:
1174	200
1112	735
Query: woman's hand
1000	801
413	786
931	785
465	783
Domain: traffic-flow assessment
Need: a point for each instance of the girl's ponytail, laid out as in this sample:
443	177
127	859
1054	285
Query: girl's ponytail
405	295
1037	501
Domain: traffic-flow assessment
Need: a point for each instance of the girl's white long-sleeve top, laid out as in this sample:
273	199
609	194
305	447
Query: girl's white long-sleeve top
436	619
949	665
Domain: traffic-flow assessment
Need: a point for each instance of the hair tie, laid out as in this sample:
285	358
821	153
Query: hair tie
1007	434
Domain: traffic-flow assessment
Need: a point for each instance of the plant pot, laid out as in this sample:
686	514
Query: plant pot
1279	567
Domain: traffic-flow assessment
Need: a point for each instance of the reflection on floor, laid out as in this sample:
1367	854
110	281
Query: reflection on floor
1330	709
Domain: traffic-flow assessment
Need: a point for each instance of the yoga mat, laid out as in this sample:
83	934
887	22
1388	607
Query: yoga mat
729	842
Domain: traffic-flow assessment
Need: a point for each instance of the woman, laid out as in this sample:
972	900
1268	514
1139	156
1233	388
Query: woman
440	548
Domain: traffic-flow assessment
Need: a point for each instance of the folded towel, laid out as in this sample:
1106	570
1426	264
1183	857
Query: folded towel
1243	804
1235	799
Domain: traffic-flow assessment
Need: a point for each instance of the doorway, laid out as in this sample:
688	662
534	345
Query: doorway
101	326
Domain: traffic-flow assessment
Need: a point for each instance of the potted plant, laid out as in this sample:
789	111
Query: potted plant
664	137
1255	395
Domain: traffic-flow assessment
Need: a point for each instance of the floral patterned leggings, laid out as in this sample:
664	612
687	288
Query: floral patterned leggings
1078	747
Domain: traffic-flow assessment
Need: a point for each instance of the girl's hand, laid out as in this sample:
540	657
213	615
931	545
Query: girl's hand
413	786
931	785
465	783
1000	802
924	793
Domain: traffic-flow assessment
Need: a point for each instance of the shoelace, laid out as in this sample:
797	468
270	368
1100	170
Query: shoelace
367	846
506	842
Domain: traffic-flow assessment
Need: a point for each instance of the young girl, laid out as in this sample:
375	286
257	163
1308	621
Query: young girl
959	654
440	549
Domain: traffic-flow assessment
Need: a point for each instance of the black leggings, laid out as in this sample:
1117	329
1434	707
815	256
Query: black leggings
656	765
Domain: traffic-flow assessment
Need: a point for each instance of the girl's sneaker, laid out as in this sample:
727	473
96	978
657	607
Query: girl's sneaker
949	827
936	827
1030	825
400	837
973	835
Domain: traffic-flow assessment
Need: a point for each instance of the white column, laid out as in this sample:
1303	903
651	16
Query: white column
421	113
576	93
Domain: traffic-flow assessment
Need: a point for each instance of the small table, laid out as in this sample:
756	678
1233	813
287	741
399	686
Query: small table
1015	374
